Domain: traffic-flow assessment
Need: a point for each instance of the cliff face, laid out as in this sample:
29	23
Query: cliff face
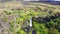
5	0
1	1
38	0
9	0
26	0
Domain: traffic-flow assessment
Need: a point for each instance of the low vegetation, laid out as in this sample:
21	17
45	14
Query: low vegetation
46	19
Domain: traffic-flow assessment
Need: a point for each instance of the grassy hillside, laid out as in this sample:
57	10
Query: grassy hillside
14	18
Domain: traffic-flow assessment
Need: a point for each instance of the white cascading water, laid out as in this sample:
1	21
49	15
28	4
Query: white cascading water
31	22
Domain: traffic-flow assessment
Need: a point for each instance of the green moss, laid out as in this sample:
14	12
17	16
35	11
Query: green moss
12	26
5	19
7	12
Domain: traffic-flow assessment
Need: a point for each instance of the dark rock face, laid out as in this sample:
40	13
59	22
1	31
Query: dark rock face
46	0
1	1
34	32
40	0
51	2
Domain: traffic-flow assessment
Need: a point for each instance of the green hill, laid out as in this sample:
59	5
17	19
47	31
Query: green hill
14	18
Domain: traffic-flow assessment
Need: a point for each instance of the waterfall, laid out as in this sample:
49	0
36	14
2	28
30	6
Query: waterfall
31	22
